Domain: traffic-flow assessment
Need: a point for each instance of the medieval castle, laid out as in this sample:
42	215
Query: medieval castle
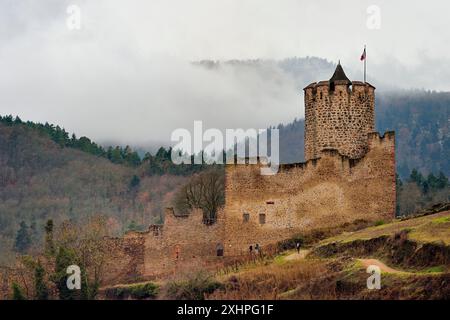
349	174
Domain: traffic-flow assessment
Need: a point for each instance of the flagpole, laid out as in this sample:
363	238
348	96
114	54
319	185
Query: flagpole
365	59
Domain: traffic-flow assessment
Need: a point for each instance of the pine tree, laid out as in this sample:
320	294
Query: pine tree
135	181
432	181
442	181
64	258
416	177
17	292
23	239
40	288
133	159
116	155
49	244
88	290
133	226
33	230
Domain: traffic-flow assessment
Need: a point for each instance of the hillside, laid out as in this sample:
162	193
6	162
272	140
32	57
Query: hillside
413	255
41	180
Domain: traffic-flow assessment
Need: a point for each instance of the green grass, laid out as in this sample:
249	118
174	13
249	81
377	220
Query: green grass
280	259
432	232
441	220
436	269
353	267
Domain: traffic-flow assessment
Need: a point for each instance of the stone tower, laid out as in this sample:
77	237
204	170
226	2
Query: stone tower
339	114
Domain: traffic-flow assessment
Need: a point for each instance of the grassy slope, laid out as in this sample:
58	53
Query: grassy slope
424	229
290	276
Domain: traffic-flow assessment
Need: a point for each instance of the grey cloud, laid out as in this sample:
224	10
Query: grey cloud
127	75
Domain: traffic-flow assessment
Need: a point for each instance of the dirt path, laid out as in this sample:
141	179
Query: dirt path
297	256
378	263
365	262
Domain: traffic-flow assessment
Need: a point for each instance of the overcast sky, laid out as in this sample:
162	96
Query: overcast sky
126	76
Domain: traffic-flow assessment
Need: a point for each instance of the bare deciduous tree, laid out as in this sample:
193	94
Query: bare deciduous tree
205	191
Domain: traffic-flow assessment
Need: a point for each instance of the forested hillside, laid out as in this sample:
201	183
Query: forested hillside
421	121
41	179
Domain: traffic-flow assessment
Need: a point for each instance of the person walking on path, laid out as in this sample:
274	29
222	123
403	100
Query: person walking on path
297	245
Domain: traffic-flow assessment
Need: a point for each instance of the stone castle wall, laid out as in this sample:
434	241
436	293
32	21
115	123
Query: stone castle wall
125	258
338	117
183	244
323	192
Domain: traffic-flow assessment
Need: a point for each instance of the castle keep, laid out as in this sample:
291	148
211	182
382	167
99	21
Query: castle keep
339	114
349	174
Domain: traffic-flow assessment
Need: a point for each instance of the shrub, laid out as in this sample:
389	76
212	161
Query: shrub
137	291
194	288
144	291
291	243
379	223
115	293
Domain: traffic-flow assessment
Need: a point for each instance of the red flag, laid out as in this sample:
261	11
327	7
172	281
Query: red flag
363	56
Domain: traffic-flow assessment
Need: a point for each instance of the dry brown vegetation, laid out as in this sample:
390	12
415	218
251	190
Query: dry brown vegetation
333	271
270	281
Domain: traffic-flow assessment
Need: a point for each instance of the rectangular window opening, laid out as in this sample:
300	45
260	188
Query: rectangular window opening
262	218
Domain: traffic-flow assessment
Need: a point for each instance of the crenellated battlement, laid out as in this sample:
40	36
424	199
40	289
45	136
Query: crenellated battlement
195	216
375	141
313	90
388	135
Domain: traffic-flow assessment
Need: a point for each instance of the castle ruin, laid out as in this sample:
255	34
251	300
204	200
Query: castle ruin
349	174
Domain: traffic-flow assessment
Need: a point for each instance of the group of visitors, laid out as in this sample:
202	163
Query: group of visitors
255	250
